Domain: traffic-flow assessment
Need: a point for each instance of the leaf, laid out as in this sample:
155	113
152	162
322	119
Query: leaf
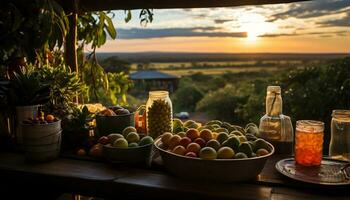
110	28
128	16
106	82
101	39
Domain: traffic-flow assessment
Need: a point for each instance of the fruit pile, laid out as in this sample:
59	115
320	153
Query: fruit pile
214	140
128	139
41	119
114	111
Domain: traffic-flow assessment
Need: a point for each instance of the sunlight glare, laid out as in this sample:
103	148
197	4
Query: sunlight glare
255	25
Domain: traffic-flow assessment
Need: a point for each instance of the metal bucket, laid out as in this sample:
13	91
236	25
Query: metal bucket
42	153
23	113
42	142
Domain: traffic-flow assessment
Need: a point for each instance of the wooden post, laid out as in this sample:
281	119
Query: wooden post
70	46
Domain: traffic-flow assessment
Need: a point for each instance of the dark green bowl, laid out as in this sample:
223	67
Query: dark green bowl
217	170
113	124
140	154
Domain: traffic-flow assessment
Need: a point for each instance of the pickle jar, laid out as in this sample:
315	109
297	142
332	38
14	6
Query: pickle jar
339	147
159	113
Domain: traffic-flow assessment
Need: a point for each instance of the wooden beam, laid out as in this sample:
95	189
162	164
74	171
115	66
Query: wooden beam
70	49
99	5
70	46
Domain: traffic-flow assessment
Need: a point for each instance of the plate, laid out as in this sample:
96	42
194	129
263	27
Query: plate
330	172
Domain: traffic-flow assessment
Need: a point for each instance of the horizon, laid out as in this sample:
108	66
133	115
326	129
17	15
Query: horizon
321	26
189	52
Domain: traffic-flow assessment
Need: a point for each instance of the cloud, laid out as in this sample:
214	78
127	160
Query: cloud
278	34
321	34
345	21
221	21
313	9
139	33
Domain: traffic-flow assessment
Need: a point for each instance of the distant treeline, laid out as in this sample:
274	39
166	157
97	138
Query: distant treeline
231	65
149	57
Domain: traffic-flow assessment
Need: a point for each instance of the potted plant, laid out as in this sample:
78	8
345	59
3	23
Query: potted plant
26	93
76	129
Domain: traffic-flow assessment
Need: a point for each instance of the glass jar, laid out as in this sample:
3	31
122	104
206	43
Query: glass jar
308	142
140	120
159	113
339	147
274	126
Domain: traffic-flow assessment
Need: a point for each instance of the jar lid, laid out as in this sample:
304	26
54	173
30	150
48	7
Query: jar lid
272	89
158	93
309	126
342	114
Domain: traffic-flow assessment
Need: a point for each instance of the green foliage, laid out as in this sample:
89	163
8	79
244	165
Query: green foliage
146	16
186	97
77	120
27	89
76	126
221	104
113	64
309	93
216	83
313	92
30	27
92	30
64	85
119	84
254	107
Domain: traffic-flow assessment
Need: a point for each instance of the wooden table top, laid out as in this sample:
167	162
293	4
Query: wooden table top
106	180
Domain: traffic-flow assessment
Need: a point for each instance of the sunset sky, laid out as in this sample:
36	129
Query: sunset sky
318	26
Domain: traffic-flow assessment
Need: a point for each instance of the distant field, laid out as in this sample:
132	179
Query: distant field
214	64
216	68
163	65
217	71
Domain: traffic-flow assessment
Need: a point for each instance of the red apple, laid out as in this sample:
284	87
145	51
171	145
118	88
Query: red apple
191	154
104	140
200	141
185	141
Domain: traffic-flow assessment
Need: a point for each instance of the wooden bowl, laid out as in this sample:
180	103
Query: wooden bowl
113	124
140	154
218	170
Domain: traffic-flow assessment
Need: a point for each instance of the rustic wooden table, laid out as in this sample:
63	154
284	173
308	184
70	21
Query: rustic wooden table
91	178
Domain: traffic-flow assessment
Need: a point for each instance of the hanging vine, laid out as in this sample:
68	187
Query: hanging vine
93	30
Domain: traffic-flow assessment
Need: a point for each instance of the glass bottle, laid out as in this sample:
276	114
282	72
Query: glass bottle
159	113
339	146
274	126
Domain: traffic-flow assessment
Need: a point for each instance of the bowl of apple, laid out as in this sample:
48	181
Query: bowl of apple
113	120
127	147
214	153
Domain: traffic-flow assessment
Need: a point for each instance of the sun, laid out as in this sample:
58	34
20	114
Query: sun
252	34
254	25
